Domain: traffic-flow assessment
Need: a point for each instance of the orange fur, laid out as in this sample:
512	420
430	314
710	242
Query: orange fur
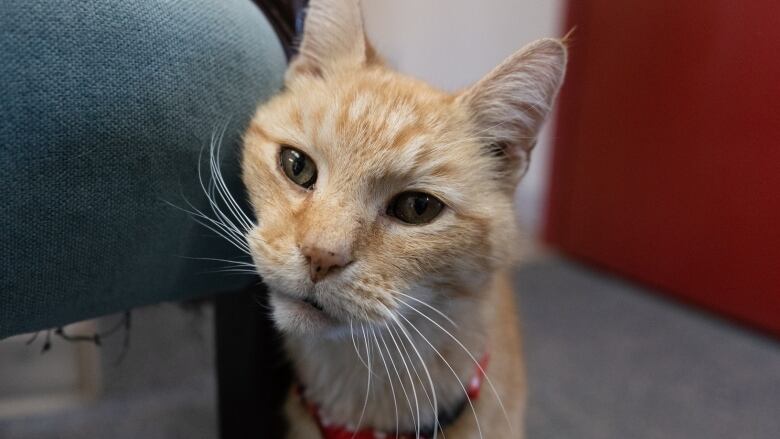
374	133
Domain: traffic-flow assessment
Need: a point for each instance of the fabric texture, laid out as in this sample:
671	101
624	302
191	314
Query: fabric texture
106	107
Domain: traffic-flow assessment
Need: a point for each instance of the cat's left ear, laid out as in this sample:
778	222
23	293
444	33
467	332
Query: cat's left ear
509	105
332	36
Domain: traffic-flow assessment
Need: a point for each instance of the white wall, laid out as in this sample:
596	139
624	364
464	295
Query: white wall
452	43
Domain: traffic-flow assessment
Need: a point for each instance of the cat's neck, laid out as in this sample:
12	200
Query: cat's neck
421	351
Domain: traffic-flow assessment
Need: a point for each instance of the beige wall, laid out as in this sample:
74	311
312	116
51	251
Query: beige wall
452	43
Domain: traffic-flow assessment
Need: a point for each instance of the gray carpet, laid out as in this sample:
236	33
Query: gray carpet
609	360
606	360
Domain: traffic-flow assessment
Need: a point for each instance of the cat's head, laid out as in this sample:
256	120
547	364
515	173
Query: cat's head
374	191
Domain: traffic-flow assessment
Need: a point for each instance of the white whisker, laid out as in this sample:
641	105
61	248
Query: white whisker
417	374
425	368
237	263
222	189
368	370
411	381
354	344
446	363
230	223
209	193
233	271
427	305
389	379
487	378
401	382
222	230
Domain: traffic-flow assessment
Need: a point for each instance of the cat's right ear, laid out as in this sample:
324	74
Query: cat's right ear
333	36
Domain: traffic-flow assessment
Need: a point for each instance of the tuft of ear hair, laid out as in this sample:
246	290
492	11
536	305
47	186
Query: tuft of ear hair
333	36
509	105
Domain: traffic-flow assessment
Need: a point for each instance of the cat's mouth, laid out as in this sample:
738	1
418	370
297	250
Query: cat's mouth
307	306
313	303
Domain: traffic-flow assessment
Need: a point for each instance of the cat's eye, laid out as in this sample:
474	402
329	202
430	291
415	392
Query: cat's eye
415	207
298	167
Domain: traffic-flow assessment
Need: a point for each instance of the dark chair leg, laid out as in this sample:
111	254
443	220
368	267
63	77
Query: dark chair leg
252	376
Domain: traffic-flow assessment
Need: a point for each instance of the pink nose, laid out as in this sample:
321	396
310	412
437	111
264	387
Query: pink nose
322	262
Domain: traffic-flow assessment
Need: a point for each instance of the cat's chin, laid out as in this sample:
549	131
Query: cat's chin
295	316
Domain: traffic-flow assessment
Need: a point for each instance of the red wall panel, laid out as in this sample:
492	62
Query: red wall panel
667	160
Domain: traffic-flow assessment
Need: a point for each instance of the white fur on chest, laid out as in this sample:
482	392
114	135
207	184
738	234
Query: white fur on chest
405	370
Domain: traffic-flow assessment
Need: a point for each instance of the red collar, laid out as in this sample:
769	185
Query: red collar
330	431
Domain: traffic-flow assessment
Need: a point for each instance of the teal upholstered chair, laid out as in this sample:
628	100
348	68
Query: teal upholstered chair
105	108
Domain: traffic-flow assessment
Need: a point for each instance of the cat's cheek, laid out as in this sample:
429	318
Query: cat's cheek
280	266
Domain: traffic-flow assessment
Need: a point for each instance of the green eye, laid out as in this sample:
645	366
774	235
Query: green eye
298	167
415	207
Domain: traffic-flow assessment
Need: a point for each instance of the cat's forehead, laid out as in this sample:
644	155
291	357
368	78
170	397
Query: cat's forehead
384	120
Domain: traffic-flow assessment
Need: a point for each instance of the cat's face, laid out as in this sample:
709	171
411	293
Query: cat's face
359	141
374	191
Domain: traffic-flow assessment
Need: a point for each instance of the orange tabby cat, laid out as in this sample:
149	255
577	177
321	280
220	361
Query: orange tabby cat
385	229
